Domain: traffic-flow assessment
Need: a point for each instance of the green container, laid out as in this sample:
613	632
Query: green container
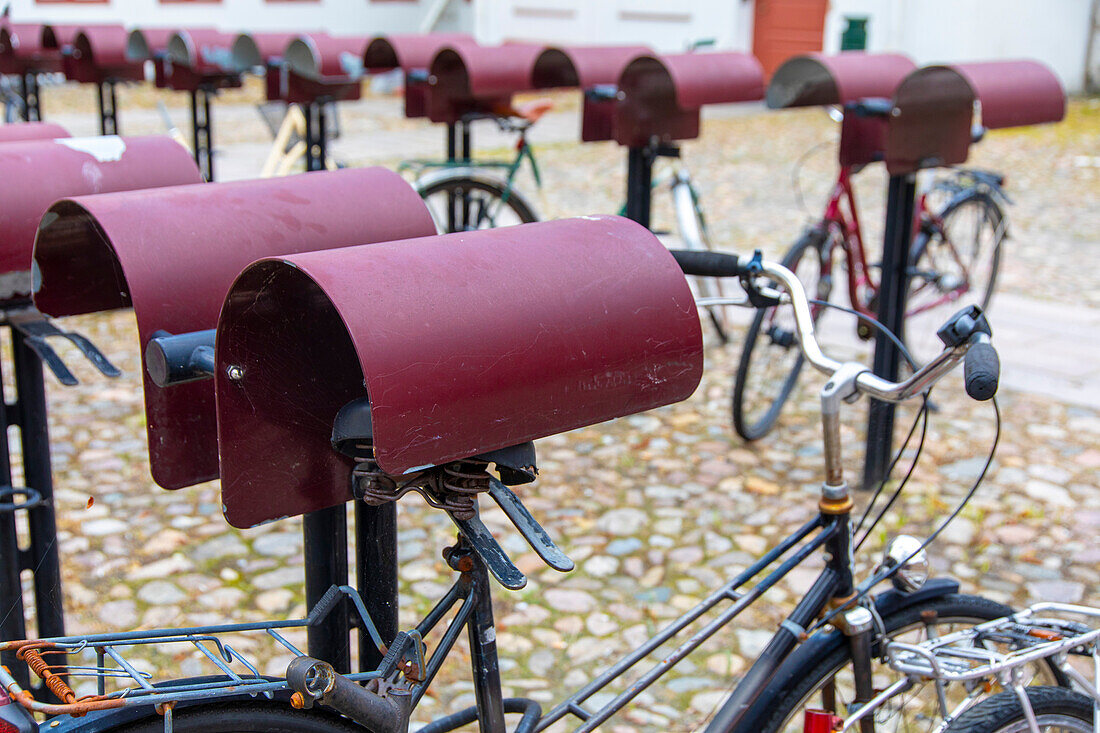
854	37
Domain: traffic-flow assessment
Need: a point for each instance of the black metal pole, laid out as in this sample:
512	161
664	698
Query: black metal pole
452	157
452	143
201	133
893	287
108	108
37	474
639	178
322	138
32	106
325	541
376	574
12	619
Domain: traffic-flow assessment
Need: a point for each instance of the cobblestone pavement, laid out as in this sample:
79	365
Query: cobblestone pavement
656	509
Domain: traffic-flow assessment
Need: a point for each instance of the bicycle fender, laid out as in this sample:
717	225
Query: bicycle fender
104	721
824	642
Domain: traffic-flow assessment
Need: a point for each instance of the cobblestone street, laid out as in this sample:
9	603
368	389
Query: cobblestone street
656	509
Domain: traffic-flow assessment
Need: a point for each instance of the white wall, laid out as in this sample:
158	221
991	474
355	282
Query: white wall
340	17
1055	32
661	24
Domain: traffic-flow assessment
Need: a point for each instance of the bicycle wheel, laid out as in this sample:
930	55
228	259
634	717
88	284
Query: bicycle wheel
464	201
824	679
693	231
952	267
246	717
1055	708
771	359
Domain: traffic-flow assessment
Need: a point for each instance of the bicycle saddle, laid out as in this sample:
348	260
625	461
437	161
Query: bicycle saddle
353	429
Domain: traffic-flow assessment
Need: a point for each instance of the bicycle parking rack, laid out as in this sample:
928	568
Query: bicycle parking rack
413	54
587	68
467	80
659	103
27	131
930	123
205	234
253	51
98	55
540	364
151	44
321	69
76	166
22	54
198	61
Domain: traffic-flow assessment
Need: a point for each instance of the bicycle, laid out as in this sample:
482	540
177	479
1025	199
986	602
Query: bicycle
462	196
1051	632
840	626
950	264
287	124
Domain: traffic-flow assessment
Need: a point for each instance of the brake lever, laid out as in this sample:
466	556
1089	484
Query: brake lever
753	270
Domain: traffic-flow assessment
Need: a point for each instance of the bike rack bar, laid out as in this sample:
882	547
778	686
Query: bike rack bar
204	235
659	102
470	80
321	69
253	52
98	55
76	165
151	44
587	67
23	54
391	339
413	54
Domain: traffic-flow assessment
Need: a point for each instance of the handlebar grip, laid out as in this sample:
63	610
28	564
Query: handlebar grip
708	264
982	371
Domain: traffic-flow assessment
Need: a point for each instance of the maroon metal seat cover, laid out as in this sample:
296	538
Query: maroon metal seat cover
464	343
34	174
201	57
816	79
662	95
172	254
320	67
471	79
100	54
251	50
586	67
409	52
933	108
21	50
151	44
23	131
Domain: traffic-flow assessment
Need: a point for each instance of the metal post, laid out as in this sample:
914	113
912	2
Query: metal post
28	88
893	287
202	133
108	108
34	437
639	178
12	619
325	540
452	143
376	574
316	136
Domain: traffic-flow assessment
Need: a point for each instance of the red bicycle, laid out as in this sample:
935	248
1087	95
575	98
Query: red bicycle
957	234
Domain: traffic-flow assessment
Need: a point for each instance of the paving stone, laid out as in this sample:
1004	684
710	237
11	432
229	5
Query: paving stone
161	593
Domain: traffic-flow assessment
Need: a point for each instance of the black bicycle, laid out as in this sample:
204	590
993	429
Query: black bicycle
825	654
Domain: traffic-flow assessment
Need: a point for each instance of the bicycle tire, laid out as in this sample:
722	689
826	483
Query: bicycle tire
245	717
750	422
489	196
1055	708
954	266
803	676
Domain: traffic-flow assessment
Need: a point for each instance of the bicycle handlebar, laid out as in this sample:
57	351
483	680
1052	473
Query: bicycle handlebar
982	367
